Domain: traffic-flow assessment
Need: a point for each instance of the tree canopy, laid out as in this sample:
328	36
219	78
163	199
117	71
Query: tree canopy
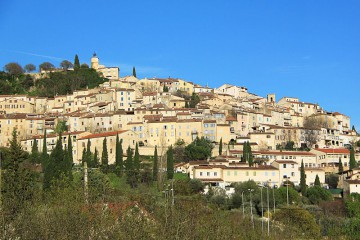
199	149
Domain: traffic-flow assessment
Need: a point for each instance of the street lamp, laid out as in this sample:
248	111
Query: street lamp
251	211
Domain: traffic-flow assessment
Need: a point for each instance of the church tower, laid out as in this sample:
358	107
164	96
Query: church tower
95	62
271	98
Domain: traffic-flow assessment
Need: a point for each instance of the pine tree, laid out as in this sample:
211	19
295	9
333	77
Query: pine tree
341	167
104	158
155	165
317	181
302	179
137	160
220	147
170	163
118	156
35	157
352	162
134	72
96	158
250	156
76	62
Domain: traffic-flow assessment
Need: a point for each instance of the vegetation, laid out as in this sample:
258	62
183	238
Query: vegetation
352	162
302	179
199	149
170	163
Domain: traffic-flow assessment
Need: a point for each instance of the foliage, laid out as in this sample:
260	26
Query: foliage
76	62
14	69
66	65
45	66
289	145
199	149
137	160
134	72
318	194
84	65
35	156
220	147
298	222
312	126
302	179
352	205
317	181
61	127
341	167
30	67
155	165
194	100
170	163
119	163
179	151
352	162
70	81
165	89
104	158
332	180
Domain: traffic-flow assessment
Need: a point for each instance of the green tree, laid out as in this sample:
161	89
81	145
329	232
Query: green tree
30	67
289	145
165	89
194	100
245	156
220	147
104	158
137	160
45	66
70	152
199	149
61	127
44	154
17	180
88	155
186	104
96	158
84	65
35	156
66	65
317	181
170	163
119	165
352	162
341	167
318	194
250	156
130	173
134	72
332	180
76	62
302	179
14	69
155	165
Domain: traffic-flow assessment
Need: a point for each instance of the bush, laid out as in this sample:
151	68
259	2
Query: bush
318	194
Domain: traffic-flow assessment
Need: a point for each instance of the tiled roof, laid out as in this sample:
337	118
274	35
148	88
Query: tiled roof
334	150
103	134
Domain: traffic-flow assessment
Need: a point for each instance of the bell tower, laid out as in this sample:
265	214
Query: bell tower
95	62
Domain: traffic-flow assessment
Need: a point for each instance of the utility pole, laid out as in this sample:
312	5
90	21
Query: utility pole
268	207
251	211
86	190
262	210
242	201
172	192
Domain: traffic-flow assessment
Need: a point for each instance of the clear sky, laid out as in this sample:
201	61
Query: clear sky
306	49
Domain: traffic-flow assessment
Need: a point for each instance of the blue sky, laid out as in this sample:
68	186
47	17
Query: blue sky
306	49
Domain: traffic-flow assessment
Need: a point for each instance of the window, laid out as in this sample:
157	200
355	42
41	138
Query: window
200	173
292	174
207	174
284	165
215	174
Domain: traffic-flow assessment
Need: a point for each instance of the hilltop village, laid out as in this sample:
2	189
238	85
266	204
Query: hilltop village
282	133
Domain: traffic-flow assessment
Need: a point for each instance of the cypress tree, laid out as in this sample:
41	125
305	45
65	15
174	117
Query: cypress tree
186	104
134	72
76	62
245	152
129	161
56	167
170	163
341	167
302	179
118	156
137	160
352	162
44	154
220	147
34	157
88	157
250	156
17	180
155	165
83	158
96	158
69	159
317	181
104	157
